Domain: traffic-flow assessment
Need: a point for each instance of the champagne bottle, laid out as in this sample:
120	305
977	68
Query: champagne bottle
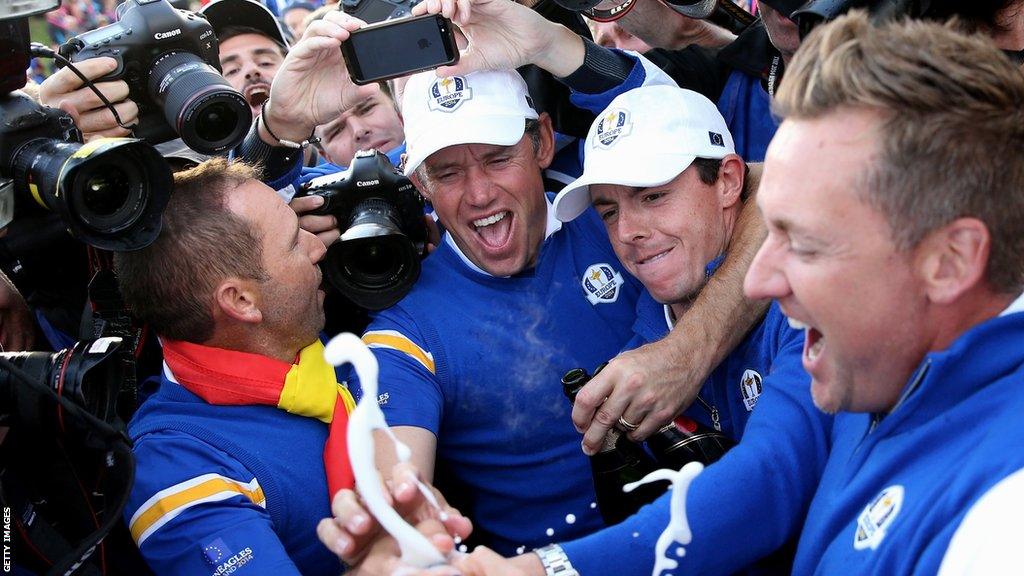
618	462
685	440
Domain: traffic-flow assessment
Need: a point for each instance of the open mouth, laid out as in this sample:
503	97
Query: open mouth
494	230
814	341
257	94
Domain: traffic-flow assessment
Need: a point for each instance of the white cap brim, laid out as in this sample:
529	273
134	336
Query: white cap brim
654	170
498	129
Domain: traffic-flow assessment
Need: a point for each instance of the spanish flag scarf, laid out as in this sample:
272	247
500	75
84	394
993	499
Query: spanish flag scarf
308	387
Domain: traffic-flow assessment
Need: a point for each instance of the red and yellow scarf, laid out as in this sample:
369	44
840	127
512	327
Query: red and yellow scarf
308	387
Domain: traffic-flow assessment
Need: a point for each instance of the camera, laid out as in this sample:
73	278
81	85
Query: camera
89	374
66	467
169	59
110	193
372	11
377	259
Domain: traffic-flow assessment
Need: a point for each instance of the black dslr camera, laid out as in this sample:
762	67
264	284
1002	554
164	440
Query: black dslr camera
383	235
66	467
169	58
109	193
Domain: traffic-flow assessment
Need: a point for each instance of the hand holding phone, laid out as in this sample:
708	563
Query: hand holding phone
503	35
399	47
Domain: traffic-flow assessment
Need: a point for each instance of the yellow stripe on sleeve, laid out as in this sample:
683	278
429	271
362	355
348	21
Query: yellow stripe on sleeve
396	341
168	503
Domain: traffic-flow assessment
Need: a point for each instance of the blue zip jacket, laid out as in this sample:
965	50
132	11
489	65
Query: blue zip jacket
895	490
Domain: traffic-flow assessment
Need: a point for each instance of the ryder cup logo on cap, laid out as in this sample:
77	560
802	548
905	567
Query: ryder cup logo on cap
646	137
486	107
610	126
447	94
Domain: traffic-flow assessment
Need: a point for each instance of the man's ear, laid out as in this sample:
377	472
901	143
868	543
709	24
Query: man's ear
238	300
546	150
731	179
954	259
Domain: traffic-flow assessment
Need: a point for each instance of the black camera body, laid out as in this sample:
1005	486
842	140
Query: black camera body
383	235
373	11
169	59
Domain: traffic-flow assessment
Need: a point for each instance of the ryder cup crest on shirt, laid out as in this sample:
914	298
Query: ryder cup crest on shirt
876	518
447	94
601	284
610	126
750	388
646	137
486	107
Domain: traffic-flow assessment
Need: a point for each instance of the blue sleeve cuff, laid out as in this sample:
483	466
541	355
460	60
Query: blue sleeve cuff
599	101
626	549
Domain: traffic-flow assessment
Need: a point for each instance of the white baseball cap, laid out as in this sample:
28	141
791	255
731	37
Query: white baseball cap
646	137
487	107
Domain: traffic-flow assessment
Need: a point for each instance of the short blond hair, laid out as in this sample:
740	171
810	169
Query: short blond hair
952	135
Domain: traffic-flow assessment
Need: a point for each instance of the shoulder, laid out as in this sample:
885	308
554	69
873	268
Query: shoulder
175	473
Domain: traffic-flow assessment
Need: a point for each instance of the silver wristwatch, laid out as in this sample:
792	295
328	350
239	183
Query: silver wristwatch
555	562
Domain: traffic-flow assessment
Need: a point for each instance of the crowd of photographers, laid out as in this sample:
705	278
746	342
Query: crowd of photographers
789	242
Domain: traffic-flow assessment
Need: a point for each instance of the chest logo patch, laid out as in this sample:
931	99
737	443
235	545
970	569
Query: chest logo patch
612	125
447	94
750	388
876	518
601	284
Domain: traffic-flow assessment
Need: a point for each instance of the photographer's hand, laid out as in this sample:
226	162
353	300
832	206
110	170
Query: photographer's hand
504	35
65	90
325	226
312	86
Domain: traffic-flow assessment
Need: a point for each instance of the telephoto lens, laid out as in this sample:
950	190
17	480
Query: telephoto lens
110	193
208	114
88	373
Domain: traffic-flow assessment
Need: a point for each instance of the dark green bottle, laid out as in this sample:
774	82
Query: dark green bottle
618	462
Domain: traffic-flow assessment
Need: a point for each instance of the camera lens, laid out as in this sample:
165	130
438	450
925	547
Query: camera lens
374	264
107	198
375	261
215	122
88	376
109	193
105	194
208	114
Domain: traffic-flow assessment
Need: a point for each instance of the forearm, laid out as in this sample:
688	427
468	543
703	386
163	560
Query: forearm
280	166
422	443
721	316
626	549
606	73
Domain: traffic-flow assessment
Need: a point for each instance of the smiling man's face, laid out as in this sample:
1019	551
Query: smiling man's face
665	235
831	262
491	200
